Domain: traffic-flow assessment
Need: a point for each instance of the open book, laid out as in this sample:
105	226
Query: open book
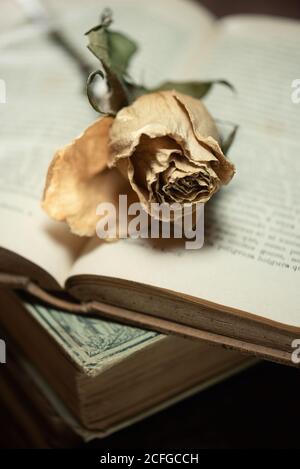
242	288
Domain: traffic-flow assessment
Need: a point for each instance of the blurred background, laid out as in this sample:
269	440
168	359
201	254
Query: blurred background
289	8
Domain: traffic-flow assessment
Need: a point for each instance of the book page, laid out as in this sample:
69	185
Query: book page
46	106
251	256
44	109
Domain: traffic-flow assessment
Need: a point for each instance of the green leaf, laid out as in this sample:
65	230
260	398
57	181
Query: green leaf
197	89
98	44
112	48
117	94
94	100
121	50
134	90
227	131
228	141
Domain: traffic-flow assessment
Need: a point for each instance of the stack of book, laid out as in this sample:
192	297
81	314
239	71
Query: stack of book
80	378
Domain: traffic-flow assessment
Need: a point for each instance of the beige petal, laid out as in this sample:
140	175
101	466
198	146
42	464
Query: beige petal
151	158
202	126
78	180
157	115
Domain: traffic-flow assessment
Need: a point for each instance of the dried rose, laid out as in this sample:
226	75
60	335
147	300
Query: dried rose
165	146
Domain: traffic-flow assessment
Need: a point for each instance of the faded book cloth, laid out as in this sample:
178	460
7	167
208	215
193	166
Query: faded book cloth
93	344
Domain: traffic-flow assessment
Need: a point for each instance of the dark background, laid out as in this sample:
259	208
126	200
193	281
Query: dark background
259	408
289	8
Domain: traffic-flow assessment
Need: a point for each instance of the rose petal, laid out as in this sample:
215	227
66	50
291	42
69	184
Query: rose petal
78	180
158	115
202	127
151	158
139	130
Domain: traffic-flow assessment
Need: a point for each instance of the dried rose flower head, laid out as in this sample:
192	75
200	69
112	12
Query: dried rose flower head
162	148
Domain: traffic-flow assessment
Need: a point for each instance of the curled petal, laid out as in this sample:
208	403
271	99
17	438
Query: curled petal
202	129
166	144
78	180
157	115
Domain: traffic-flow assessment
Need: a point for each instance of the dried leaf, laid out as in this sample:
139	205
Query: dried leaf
196	89
228	141
112	48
